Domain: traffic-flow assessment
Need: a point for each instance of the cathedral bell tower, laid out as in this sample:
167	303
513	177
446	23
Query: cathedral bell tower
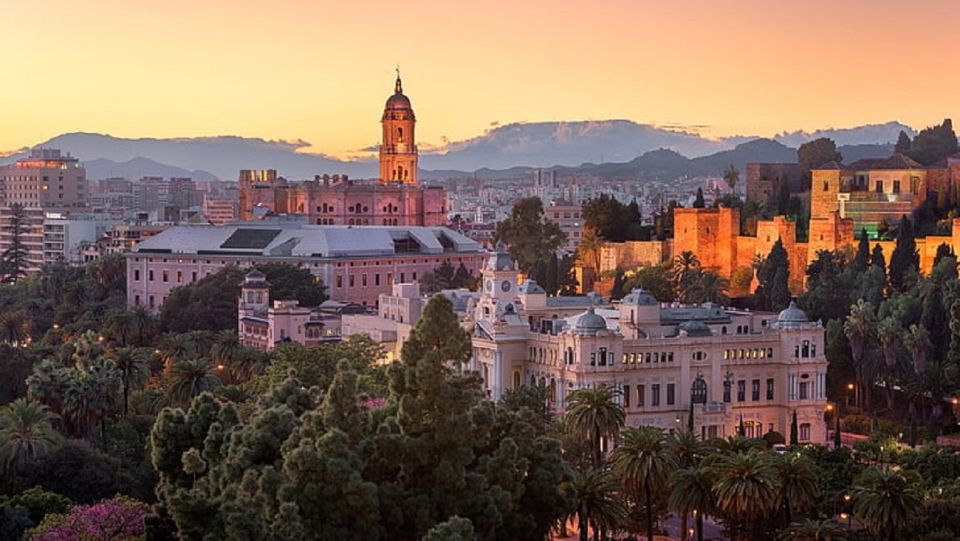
398	152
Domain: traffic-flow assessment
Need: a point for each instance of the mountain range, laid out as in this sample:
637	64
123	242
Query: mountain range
608	148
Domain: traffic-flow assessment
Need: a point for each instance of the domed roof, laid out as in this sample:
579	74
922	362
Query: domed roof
530	287
589	322
500	260
694	328
398	100
792	316
640	297
255	275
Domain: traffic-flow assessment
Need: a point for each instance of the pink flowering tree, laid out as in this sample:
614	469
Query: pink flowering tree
116	519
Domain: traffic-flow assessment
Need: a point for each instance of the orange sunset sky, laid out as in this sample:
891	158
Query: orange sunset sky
320	70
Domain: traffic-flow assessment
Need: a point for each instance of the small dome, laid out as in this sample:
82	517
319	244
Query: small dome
694	328
589	322
792	317
531	287
500	260
640	297
255	276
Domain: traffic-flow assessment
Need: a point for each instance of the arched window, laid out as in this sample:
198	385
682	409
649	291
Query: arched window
698	394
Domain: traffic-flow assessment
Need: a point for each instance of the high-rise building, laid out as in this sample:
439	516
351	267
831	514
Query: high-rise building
45	179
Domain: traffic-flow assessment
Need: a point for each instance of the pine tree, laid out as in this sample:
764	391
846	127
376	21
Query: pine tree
905	256
698	202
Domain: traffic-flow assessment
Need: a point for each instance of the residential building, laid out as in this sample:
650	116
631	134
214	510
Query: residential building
219	211
567	216
45	179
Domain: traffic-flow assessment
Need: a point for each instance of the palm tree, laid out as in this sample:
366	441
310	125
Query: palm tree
595	413
133	371
692	492
189	378
87	348
684	263
120	325
226	348
713	288
596	498
175	348
687	448
142	321
644	461
590	249
797	483
917	342
15	326
888	333
814	530
26	433
887	500
857	327
746	489
939	381
248	363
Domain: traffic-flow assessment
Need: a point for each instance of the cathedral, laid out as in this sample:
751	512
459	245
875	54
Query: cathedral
396	198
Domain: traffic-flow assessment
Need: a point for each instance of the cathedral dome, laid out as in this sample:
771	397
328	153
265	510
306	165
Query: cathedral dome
398	101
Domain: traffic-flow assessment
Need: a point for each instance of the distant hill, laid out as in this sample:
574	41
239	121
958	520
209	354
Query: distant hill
612	147
664	164
140	167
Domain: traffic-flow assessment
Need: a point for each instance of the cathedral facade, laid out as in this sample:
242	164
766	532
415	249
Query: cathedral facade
395	199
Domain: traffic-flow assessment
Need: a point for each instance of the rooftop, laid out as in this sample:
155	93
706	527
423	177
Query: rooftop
305	240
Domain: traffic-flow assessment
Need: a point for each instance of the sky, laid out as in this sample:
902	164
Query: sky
319	71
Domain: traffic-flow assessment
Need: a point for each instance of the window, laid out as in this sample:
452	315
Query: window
593	359
603	356
363	279
804	431
166	276
755	390
351	280
136	275
655	394
376	279
339	281
698	394
826	186
878	186
640	396
671	394
770	389
626	396
150	275
741	390
896	186
804	390
726	391
179	277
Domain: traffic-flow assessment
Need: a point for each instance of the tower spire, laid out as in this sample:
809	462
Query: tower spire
399	86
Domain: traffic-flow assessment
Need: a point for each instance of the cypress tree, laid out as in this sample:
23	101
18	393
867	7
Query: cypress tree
944	250
794	436
862	260
904	256
699	203
903	143
773	293
690	417
877	259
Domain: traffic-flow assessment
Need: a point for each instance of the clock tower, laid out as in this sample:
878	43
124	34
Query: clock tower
499	283
398	151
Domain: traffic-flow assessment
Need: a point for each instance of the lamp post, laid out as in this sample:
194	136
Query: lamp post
851	388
